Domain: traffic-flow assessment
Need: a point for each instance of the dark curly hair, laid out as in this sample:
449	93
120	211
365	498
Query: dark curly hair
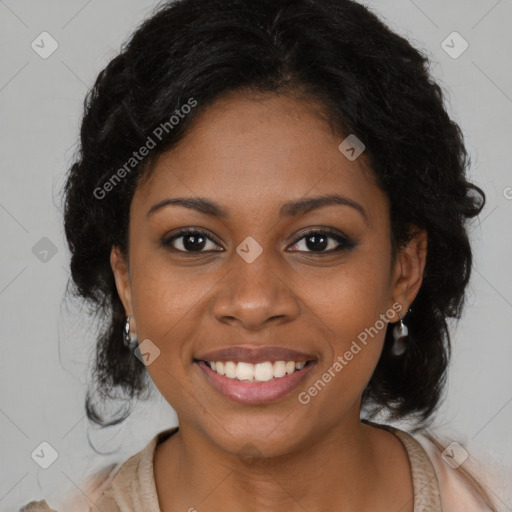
371	82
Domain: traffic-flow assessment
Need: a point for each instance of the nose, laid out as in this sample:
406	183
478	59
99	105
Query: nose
254	295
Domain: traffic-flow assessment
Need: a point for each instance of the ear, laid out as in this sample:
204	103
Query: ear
408	270
122	277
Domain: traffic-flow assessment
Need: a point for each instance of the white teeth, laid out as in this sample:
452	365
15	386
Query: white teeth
259	372
230	369
219	368
244	371
263	371
279	369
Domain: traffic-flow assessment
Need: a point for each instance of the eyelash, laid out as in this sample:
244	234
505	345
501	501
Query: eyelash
345	242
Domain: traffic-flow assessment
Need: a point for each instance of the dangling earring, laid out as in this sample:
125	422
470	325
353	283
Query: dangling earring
400	332
129	339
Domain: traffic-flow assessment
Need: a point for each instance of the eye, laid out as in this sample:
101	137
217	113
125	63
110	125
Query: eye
318	240
193	240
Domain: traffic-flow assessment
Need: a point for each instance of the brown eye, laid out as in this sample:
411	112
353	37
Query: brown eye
189	241
319	240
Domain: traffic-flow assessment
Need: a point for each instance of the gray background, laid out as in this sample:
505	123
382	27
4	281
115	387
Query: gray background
47	344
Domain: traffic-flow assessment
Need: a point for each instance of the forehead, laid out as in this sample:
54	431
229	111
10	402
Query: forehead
255	152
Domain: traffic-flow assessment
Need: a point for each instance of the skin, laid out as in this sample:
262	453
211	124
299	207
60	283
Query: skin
250	155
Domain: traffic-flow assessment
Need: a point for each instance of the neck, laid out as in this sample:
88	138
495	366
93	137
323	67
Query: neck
346	468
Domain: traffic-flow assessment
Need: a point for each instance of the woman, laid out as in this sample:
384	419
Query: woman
269	210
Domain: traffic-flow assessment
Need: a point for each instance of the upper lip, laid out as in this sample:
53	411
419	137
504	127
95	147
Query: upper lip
255	354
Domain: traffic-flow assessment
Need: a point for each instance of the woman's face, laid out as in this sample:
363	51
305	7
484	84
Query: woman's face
259	278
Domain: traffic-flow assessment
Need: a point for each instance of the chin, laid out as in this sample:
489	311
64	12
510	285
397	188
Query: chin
262	436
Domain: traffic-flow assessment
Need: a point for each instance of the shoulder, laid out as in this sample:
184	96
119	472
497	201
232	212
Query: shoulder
120	486
130	482
81	500
461	480
37	506
445	468
133	484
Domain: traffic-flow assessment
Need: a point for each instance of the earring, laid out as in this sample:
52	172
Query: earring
400	332
129	339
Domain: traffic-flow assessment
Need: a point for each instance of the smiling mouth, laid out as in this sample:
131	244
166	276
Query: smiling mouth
255	383
265	371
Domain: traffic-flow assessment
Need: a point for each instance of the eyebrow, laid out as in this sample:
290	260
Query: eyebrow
289	209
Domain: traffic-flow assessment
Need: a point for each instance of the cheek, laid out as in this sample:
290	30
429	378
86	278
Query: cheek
171	309
356	337
351	296
359	326
353	306
162	295
359	305
165	308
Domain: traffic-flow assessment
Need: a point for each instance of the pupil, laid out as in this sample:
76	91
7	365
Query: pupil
321	245
193	246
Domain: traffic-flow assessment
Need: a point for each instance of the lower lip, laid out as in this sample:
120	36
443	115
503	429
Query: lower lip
254	393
